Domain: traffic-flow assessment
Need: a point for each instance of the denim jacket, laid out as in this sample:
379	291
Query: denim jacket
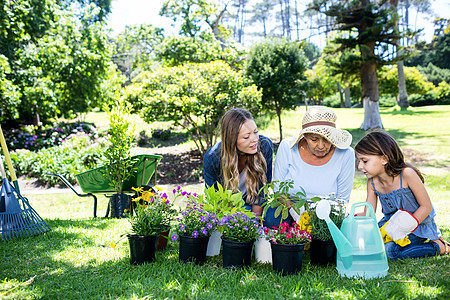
212	166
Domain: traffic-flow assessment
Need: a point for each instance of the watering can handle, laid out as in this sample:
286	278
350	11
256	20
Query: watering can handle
369	213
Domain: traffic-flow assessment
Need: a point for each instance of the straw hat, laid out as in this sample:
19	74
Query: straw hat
322	121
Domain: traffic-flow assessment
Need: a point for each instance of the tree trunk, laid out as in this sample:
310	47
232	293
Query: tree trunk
370	96
402	92
348	102
278	109
340	95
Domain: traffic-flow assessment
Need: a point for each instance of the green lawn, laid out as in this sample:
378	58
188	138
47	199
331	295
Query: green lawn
75	259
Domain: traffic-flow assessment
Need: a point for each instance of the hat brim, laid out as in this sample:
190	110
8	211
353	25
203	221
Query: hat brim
339	138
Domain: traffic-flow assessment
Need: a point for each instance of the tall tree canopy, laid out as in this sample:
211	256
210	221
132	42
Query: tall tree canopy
277	67
370	28
57	61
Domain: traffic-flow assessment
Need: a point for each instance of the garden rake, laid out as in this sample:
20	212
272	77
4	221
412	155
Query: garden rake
17	218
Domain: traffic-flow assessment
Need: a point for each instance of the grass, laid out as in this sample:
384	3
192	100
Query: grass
75	259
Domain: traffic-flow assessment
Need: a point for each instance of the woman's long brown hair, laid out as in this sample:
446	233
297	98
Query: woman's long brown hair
255	166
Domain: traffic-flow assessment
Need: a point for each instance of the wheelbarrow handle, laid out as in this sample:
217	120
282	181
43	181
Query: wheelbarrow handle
68	184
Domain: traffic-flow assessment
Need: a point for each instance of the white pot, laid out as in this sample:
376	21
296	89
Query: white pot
214	244
263	251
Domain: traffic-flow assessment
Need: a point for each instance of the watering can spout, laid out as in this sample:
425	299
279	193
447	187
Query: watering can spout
343	245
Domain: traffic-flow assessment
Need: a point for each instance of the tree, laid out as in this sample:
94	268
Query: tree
370	29
135	47
402	99
277	67
193	96
193	14
261	13
57	63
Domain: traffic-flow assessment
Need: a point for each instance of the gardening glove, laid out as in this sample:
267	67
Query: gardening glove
401	224
387	238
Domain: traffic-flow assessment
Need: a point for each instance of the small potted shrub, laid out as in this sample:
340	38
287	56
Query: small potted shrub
118	161
287	243
279	197
220	202
194	228
152	215
323	250
150	197
239	232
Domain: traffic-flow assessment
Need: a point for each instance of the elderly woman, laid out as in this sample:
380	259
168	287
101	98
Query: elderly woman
242	161
319	159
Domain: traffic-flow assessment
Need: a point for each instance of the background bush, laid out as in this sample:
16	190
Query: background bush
76	154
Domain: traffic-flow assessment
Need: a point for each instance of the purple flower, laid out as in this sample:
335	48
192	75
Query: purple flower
182	227
195	234
174	237
174	191
204	231
203	219
245	228
209	225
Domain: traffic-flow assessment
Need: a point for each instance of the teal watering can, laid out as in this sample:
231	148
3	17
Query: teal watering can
359	244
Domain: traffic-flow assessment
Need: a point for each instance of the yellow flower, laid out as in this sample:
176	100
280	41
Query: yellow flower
137	199
139	189
304	221
147	195
113	245
158	188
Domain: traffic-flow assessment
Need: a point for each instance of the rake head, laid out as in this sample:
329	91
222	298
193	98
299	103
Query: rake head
17	217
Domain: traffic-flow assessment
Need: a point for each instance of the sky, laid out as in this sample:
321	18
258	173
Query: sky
133	12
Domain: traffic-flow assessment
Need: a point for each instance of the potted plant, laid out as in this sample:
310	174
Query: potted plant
151	215
118	162
239	232
323	250
194	228
220	202
152	197
287	243
278	196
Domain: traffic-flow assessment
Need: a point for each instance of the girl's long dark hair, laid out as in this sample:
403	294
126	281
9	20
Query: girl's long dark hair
382	144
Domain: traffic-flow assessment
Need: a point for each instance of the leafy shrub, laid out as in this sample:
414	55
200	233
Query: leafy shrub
162	134
440	95
142	138
387	101
332	101
35	138
76	154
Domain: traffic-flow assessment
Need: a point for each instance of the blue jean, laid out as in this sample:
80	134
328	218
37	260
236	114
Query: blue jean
270	220
417	248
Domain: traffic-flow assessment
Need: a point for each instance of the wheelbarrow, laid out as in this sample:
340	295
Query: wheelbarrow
94	182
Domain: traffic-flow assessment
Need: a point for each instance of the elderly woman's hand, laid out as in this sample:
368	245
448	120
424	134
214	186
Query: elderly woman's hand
288	203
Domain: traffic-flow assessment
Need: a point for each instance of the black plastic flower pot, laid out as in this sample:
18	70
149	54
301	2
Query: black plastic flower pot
163	238
235	254
142	248
287	259
193	249
119	205
322	252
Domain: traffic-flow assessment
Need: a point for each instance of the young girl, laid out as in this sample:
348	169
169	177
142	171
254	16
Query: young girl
408	220
242	161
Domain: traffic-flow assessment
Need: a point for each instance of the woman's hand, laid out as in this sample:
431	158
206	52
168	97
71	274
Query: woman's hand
257	210
288	203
